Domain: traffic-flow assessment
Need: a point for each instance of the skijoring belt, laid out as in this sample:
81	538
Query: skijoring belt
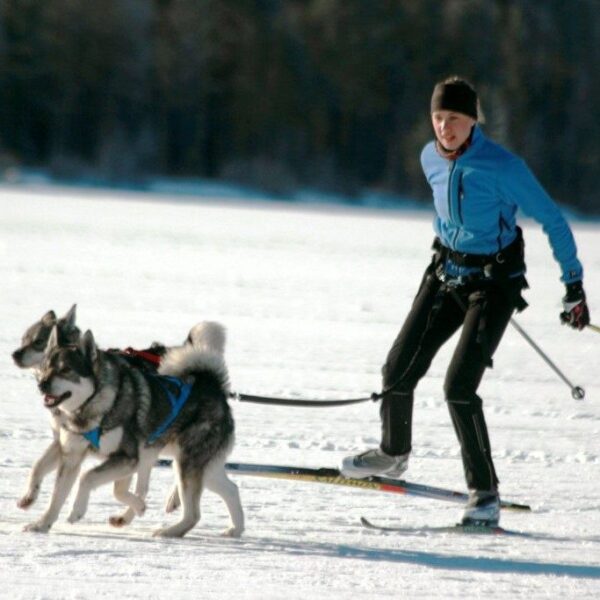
508	260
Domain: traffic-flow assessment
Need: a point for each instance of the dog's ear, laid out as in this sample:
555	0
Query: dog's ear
49	318
52	340
89	346
69	318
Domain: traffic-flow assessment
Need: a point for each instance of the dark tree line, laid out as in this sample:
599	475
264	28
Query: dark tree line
326	93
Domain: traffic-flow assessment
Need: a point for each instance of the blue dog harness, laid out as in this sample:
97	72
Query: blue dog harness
93	437
177	402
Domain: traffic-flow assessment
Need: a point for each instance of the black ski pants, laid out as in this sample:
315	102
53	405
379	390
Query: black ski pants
483	309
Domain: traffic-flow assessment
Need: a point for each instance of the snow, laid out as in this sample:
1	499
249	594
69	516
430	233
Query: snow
312	298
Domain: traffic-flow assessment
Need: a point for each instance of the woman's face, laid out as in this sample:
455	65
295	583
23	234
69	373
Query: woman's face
452	129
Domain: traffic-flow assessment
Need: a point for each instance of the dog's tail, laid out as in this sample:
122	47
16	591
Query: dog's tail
208	336
201	354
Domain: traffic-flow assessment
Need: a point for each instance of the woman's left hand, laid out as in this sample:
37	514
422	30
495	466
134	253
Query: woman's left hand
575	308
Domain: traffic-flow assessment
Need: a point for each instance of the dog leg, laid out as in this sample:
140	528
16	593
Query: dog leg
115	467
122	494
173	502
141	490
65	478
44	465
190	489
216	481
121	489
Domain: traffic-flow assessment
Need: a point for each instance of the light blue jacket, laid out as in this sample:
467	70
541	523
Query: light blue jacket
476	198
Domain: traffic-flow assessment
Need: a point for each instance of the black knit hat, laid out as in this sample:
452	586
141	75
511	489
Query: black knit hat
455	94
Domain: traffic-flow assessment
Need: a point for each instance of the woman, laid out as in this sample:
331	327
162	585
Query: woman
475	281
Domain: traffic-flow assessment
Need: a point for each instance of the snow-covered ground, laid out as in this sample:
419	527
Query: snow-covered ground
312	298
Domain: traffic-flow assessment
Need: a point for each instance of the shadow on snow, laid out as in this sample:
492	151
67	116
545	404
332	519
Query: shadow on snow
434	560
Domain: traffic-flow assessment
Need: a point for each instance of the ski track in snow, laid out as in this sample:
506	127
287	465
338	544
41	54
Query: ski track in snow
312	299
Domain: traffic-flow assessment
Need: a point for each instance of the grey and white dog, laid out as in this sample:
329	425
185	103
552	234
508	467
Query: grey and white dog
35	339
29	356
129	415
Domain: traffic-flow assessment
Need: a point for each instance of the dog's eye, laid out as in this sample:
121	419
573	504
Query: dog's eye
63	371
39	344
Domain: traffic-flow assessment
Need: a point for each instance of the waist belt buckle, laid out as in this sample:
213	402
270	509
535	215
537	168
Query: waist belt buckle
455	282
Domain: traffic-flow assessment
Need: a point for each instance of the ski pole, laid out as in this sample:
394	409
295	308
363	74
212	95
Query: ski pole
594	327
577	392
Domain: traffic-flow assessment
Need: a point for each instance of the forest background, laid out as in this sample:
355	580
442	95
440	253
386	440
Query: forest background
281	95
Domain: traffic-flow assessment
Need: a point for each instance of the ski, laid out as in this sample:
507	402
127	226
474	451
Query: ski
382	484
450	529
334	477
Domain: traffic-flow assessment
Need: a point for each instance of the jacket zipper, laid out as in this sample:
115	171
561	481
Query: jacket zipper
450	173
460	197
458	211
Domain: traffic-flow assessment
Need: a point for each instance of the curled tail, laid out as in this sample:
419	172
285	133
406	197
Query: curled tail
207	335
202	354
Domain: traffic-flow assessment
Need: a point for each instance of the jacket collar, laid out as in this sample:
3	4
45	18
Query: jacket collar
475	140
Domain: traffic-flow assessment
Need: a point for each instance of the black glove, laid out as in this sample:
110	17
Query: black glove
576	312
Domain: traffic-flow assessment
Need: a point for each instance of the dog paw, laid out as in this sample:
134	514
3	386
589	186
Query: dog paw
232	532
75	516
118	521
159	533
38	527
168	532
123	519
79	508
25	502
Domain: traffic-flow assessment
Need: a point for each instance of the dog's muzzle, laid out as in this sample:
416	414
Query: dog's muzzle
51	401
17	356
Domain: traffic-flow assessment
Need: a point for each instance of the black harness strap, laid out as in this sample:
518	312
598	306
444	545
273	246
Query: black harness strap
374	397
